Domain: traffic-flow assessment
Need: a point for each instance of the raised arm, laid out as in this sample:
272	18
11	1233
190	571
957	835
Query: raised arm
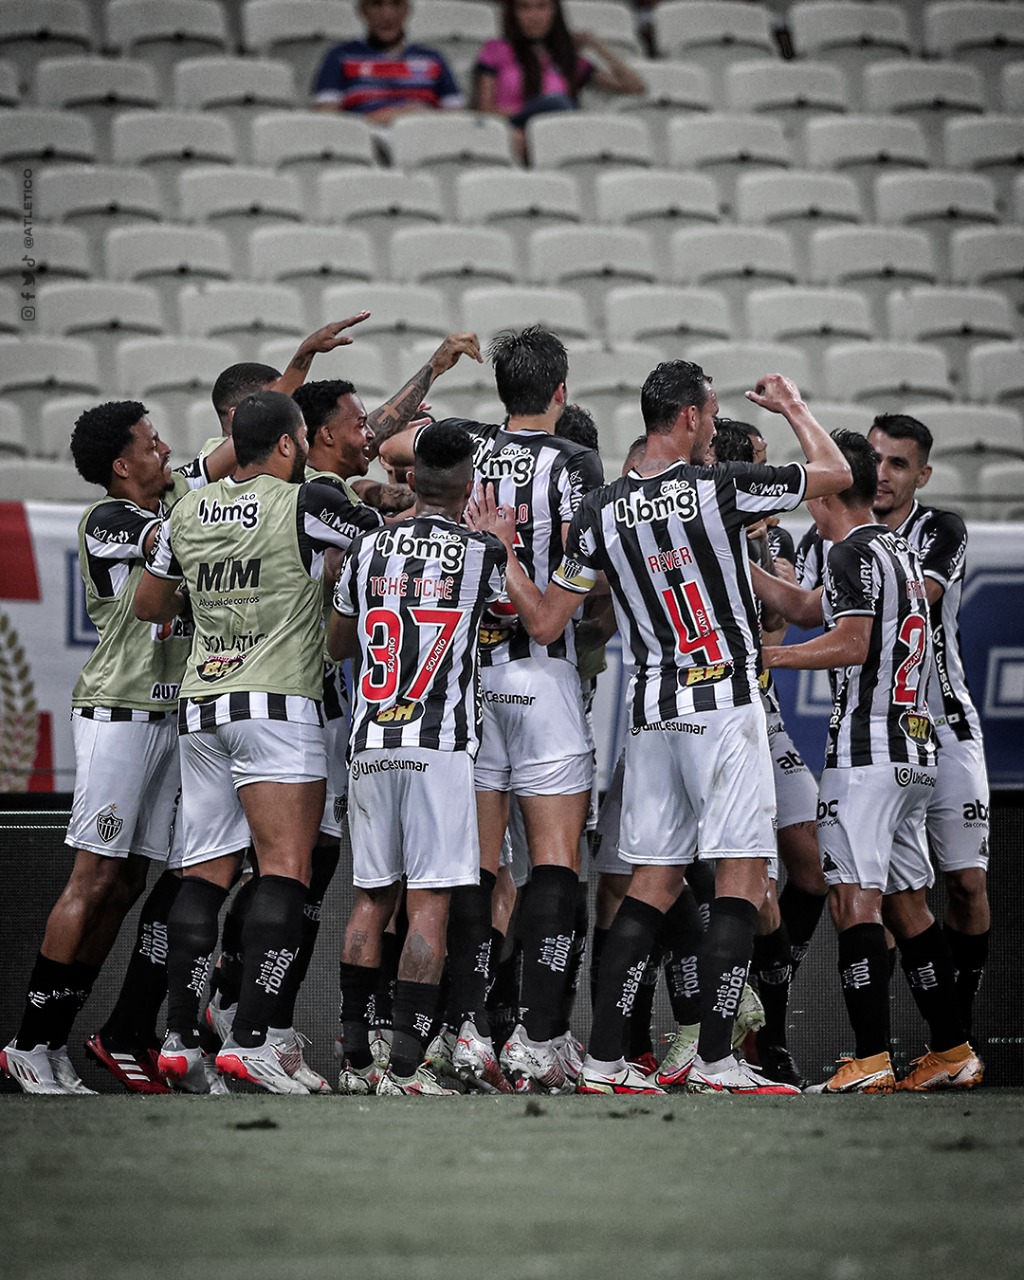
395	414
827	469
324	339
616	75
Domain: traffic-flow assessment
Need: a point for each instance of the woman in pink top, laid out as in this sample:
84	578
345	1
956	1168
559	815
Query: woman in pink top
537	66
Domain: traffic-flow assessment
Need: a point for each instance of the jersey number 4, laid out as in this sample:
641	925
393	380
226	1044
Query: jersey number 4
385	630
690	615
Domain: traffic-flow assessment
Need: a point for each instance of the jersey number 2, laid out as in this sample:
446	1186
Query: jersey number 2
913	634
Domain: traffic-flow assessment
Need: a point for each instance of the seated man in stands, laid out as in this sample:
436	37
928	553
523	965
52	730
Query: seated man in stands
383	76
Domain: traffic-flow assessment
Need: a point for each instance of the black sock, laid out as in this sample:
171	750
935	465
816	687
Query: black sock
270	943
358	984
682	937
55	996
700	876
638	1029
503	996
469	953
969	952
772	965
547	929
382	1016
415	1006
891	956
581	924
864	974
724	960
929	968
597	941
800	912
191	938
227	977
132	1021
630	939
325	863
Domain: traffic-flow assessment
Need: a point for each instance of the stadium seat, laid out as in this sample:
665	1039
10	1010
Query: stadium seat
673	89
713	33
12	431
399	314
446	143
253	198
669	317
798	202
602	379
946	490
456	29
517	201
1011	96
379	202
39	480
360	363
723	146
929	93
939	202
166	33
97	89
168	256
849	35
168	142
734	260
873	260
486	311
972	437
177	370
10	90
92	199
31	30
585	144
56	253
735	367
989	36
57	417
102	312
954	319
453	258
11	196
1000	486
992	257
309	261
790	92
33	137
610	21
241	312
309	144
995	373
592	260
34	368
862	147
10	310
809	318
992	146
191	429
300	31
886	375
656	201
238	89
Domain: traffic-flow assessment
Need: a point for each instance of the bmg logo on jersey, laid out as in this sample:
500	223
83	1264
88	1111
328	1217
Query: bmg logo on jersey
676	498
244	512
513	463
442	546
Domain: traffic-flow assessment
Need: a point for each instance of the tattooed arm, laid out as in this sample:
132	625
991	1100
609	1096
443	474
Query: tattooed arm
325	339
394	415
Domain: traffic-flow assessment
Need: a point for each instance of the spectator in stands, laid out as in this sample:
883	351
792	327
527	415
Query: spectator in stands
383	76
538	65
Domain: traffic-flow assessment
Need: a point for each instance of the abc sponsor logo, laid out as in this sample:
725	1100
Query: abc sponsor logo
975	814
828	813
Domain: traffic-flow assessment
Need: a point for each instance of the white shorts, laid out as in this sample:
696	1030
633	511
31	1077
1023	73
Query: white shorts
871	826
336	804
958	809
126	787
535	739
701	784
412	812
796	792
217	763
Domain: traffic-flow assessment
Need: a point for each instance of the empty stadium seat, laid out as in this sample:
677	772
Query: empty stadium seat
168	256
736	367
673	89
238	89
972	437
656	201
591	260
31	137
166	33
310	144
954	319
669	317
177	370
849	35
11	196
734	260
995	373
102	312
886	375
300	31
992	146
864	147
97	89
873	260
992	257
487	310
939	201
456	29
724	145
10	90
603	379
446	142
31	30
379	202
929	93
790	92
239	312
168	142
308	262
57	417
713	33
783	445
1000	486
399	313
453	258
610	21
12	431
461	387
1011	96
39	480
798	202
10	310
33	368
253	198
586	143
56	253
93	199
988	36
810	318
517	201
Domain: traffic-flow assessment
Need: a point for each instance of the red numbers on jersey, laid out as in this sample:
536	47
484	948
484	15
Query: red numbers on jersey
913	633
690	615
384	630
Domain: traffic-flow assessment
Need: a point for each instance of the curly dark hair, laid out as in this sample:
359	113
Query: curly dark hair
318	400
101	435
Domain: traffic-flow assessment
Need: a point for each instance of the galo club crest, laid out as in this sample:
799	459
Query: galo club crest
108	824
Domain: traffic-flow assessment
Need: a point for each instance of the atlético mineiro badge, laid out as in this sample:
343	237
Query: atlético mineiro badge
108	824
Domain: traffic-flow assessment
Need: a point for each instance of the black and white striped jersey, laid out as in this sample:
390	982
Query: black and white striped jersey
879	711
810	559
940	540
543	478
418	591
674	548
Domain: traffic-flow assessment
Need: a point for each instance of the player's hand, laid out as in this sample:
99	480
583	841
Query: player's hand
483	515
776	393
757	532
454	346
331	335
